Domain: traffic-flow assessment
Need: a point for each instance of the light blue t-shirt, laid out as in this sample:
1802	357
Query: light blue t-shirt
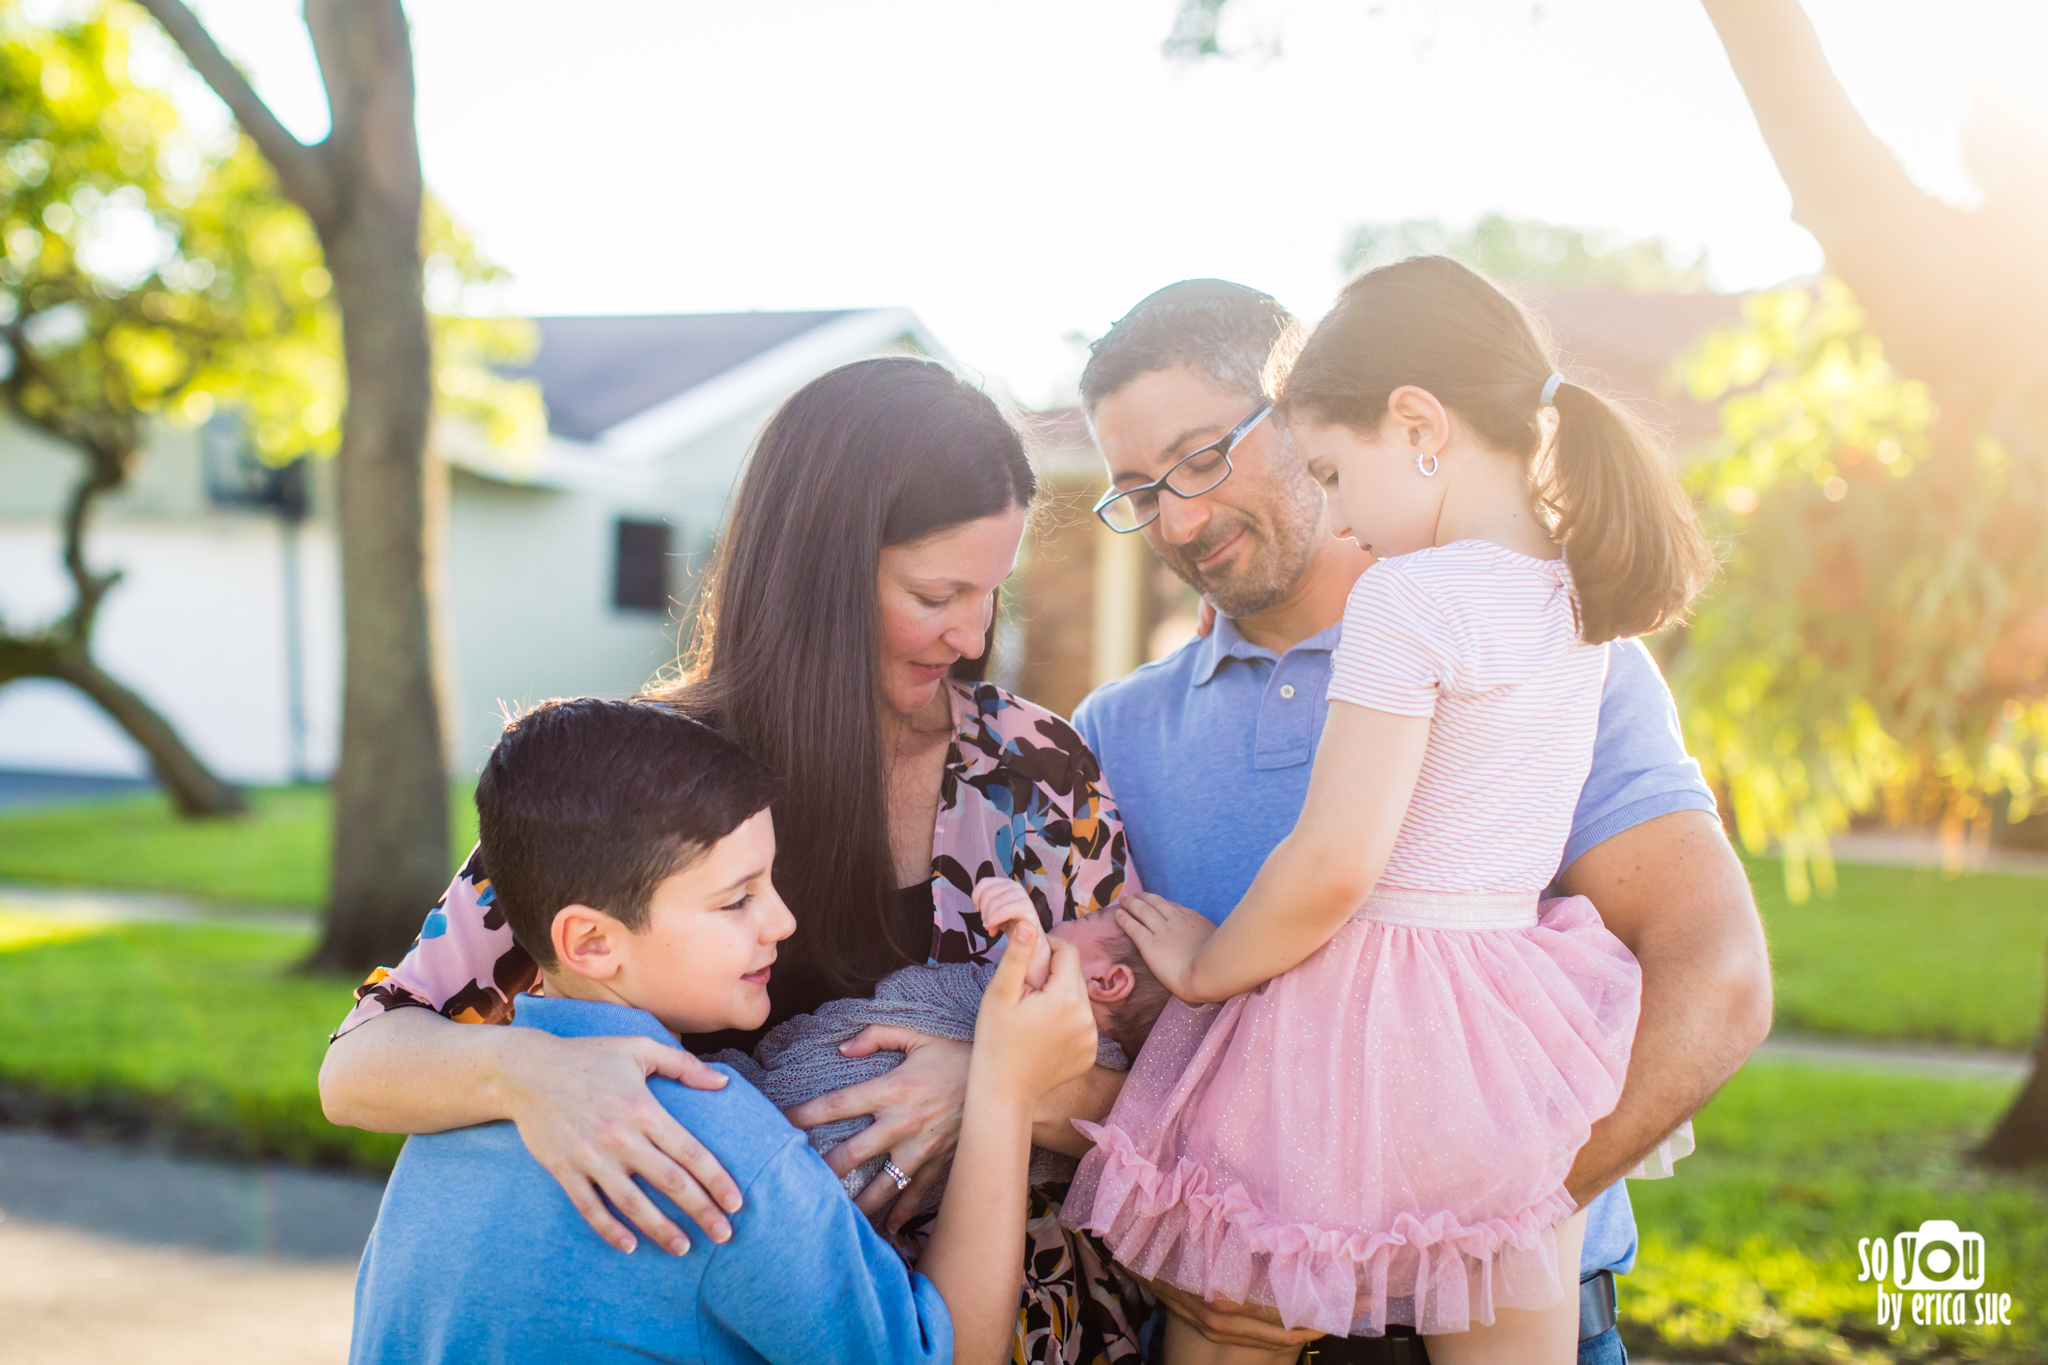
477	1254
1208	753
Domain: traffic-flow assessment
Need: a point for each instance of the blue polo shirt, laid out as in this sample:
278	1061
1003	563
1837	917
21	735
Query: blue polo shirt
1208	753
477	1254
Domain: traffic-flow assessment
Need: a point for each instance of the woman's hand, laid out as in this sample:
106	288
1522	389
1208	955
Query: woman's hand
916	1109
585	1113
1170	936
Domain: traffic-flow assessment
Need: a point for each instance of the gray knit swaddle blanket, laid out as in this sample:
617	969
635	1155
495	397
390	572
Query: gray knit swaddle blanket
800	1060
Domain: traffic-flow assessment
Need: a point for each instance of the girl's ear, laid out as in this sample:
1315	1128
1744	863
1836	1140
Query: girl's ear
586	941
1418	423
1112	983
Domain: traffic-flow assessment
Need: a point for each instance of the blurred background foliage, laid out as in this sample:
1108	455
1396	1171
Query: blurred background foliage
1529	251
152	266
1876	641
149	268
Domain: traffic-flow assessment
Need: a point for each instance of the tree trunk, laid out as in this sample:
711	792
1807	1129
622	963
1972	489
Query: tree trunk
2021	1137
106	441
391	788
1957	297
361	187
193	787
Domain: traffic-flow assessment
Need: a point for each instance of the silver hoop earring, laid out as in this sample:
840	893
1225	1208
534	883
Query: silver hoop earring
1429	470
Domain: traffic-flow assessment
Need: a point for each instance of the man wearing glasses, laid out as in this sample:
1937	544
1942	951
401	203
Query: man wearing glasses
1209	750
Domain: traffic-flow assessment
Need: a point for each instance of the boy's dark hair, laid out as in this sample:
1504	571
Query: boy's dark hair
1235	335
1137	1012
590	802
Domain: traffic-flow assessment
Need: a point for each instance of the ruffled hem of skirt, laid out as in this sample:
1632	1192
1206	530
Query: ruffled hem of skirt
1432	1273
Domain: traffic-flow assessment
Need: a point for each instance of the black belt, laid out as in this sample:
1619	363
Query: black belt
1596	1305
1401	1346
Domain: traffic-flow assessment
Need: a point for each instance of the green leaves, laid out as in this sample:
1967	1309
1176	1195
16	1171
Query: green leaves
1530	252
1878	640
148	269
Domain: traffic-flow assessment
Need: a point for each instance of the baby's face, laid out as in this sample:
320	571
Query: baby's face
1098	939
1095	937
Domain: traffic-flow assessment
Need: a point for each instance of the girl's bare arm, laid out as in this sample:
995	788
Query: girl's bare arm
1365	772
1026	1043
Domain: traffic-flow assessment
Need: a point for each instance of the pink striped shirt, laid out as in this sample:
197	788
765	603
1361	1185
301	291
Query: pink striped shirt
1485	643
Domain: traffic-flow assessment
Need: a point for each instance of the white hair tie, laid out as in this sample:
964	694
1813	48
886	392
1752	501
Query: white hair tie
1550	390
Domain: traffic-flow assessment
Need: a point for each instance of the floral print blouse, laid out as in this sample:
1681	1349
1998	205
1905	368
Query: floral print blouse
1021	797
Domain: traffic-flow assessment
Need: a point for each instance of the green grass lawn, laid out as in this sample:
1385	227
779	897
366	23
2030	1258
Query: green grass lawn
203	1035
1749	1255
1905	953
1750	1252
206	1035
274	855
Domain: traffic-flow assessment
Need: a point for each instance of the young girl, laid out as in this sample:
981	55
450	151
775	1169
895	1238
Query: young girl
1376	1126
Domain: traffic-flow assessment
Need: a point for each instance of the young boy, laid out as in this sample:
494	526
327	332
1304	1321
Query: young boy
630	850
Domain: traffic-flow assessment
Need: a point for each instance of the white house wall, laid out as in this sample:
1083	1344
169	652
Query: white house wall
532	577
195	626
530	594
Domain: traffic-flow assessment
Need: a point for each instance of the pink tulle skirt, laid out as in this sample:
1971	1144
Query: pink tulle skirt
1381	1134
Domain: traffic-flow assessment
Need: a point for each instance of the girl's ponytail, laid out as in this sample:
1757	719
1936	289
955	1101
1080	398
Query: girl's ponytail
1628	530
1636	553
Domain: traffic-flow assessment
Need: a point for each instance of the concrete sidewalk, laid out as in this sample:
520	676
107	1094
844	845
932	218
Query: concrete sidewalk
115	1253
1932	1060
128	907
1880	849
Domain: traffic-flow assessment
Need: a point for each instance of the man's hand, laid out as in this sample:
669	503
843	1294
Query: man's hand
916	1109
1170	937
1673	890
1232	1324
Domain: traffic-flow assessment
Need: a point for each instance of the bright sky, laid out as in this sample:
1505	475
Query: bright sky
1020	173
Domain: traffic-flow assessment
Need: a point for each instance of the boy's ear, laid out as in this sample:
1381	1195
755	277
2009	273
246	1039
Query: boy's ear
1112	983
586	941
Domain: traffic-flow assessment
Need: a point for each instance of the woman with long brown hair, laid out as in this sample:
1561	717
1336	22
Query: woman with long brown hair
843	639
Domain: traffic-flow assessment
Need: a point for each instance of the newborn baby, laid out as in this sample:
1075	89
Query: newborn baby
800	1060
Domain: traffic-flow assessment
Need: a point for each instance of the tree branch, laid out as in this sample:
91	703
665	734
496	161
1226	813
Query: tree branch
301	169
105	471
107	457
1927	278
1837	169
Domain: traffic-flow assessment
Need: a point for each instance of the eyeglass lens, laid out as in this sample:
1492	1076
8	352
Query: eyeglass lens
1191	478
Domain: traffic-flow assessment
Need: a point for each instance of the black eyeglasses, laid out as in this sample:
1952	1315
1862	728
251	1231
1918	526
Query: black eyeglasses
1124	510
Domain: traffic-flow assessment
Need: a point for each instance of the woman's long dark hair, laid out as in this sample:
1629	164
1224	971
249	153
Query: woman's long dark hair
786	652
1628	530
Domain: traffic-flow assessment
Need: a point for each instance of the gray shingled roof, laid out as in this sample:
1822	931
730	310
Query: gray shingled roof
597	372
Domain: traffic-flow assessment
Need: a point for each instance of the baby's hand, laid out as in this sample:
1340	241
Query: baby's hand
1006	908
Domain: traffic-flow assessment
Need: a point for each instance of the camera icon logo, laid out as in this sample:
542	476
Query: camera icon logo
1940	1256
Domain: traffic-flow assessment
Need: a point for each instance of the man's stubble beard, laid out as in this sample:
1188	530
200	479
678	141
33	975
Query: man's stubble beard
1283	536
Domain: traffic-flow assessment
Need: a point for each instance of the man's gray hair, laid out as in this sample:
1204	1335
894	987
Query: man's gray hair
1240	338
